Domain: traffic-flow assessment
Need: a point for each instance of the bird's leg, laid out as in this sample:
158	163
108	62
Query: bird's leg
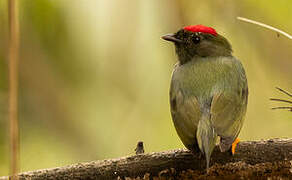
233	147
196	150
200	155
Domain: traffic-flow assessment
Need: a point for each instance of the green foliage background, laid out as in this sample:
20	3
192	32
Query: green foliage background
94	75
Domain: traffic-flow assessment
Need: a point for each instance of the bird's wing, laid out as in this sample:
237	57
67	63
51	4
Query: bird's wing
228	109
185	111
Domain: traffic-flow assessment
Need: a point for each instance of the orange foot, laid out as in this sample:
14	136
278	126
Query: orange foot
234	144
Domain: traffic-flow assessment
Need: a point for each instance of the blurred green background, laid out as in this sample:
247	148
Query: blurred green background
94	74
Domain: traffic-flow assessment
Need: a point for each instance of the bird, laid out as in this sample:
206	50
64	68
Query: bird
208	91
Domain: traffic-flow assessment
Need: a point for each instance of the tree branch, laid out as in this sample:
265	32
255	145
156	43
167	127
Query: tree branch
271	158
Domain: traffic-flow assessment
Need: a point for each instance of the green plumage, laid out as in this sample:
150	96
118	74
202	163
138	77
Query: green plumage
208	92
211	90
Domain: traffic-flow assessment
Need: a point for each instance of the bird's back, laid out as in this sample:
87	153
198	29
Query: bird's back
193	88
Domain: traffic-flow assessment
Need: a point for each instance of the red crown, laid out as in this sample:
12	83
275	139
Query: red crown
201	28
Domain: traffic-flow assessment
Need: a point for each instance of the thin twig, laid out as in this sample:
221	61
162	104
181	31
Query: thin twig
281	100
285	92
13	86
265	26
290	108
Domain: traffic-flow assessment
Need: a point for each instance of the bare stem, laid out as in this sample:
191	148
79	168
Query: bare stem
290	108
265	26
13	85
281	100
283	91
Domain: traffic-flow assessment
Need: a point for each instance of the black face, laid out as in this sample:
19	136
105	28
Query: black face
191	44
189	38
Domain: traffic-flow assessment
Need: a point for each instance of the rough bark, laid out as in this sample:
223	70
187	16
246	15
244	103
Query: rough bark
253	160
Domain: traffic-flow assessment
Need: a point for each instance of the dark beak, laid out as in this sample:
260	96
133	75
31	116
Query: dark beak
171	37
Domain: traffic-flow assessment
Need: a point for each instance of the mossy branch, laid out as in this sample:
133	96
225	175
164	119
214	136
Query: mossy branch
270	158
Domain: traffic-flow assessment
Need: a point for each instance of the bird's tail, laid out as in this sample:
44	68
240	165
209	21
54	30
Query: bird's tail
206	137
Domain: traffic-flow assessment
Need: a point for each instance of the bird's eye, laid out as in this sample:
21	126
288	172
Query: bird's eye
196	39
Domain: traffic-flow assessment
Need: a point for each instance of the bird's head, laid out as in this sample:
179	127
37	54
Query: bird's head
198	40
